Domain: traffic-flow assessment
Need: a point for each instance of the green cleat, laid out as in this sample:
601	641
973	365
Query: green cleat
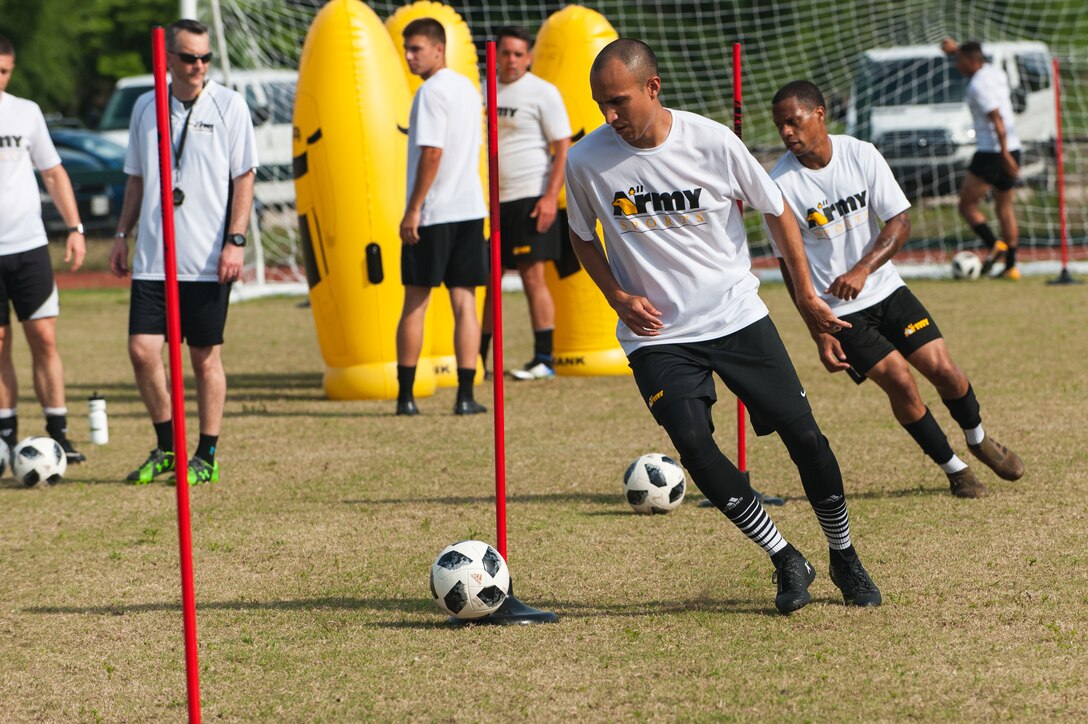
201	471
157	463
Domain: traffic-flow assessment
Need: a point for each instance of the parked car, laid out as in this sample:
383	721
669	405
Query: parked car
910	102
96	166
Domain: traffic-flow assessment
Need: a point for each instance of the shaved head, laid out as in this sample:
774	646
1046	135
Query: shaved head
635	55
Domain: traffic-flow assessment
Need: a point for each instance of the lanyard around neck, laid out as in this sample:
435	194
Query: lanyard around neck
180	148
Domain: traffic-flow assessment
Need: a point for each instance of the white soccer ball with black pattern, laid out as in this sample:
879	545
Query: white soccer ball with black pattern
966	265
470	580
38	458
654	484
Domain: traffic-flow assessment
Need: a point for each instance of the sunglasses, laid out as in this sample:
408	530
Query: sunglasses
190	59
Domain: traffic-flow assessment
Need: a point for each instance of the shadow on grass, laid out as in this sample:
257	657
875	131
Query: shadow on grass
594	498
423	606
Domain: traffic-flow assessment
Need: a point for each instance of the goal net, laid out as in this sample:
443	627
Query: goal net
877	63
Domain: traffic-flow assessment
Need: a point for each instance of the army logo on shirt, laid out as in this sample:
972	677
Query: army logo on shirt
850	212
639	210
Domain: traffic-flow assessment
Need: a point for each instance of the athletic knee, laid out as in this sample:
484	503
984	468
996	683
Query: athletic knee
206	362
688	426
805	442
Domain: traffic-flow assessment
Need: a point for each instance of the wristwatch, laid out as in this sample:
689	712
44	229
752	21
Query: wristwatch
77	229
237	239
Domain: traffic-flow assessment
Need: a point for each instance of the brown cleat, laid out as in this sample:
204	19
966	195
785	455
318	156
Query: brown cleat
998	458
964	484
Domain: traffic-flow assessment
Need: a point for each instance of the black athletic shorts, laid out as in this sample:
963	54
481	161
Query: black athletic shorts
520	239
752	362
987	166
203	307
26	283
454	253
899	322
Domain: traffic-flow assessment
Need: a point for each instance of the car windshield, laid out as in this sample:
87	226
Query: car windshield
912	82
94	145
119	108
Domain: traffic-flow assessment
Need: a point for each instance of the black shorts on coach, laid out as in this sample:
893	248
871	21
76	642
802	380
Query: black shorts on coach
987	166
898	322
752	362
520	239
27	283
203	307
453	253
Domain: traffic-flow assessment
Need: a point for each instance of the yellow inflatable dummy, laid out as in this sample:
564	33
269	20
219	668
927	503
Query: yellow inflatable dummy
585	325
460	57
349	167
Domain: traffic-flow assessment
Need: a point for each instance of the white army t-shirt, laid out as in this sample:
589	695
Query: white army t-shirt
446	114
219	146
531	116
24	146
987	91
837	208
672	229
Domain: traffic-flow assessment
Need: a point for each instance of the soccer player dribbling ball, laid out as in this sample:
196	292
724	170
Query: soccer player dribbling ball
839	188
664	185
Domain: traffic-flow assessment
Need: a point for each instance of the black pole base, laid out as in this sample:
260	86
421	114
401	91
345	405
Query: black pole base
761	497
1065	278
511	612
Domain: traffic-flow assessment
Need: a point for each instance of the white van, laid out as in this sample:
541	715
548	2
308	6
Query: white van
910	102
270	95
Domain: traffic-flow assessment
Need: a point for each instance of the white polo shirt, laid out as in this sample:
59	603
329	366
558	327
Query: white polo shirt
24	146
988	91
446	114
837	208
531	116
219	146
672	229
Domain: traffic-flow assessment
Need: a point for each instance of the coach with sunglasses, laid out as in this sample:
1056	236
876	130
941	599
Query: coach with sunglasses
214	158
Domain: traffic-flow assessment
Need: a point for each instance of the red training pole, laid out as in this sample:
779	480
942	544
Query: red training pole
496	303
742	452
177	395
1061	168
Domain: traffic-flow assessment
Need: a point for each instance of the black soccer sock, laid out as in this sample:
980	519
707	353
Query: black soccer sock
164	435
205	449
965	411
542	345
406	379
1010	257
9	430
485	345
465	378
931	438
689	426
984	233
56	426
820	476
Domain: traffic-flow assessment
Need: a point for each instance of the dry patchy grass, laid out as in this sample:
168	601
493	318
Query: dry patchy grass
311	556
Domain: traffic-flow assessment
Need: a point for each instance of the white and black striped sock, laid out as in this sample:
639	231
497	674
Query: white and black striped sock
835	521
754	522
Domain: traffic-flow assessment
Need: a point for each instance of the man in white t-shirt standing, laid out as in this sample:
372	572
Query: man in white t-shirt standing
214	159
996	164
443	226
534	135
664	184
840	189
26	272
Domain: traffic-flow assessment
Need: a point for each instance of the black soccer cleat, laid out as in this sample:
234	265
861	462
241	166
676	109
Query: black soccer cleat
793	574
468	407
853	580
407	407
74	456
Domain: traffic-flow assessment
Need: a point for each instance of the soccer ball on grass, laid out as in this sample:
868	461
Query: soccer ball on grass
654	484
469	580
38	458
966	265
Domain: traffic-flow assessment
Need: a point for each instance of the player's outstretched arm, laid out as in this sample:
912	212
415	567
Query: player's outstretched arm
889	241
787	237
638	313
829	348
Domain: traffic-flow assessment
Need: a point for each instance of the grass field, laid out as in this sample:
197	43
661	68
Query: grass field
312	555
